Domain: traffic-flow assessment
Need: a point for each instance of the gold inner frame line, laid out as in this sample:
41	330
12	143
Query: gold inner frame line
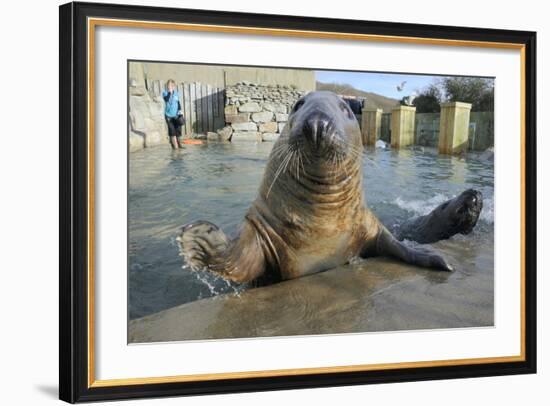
94	22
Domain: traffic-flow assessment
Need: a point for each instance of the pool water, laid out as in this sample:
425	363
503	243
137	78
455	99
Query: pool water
218	182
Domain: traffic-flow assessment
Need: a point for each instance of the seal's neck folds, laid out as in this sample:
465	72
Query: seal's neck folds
292	175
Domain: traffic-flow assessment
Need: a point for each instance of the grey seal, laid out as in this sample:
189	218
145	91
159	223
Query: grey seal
310	213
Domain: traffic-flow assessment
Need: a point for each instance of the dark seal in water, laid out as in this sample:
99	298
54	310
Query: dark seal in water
458	215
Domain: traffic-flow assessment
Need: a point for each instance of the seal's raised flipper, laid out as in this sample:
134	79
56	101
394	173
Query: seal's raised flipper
387	245
200	242
204	245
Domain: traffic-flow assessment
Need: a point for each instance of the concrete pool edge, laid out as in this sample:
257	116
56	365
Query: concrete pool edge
376	295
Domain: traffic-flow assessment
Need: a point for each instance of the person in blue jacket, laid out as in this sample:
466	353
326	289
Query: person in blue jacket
172	108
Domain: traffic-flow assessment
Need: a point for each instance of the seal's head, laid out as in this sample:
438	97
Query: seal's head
323	126
320	149
463	211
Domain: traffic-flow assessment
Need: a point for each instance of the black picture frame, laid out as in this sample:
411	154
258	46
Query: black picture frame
74	385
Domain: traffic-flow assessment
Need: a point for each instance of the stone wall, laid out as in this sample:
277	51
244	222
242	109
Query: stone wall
255	112
146	125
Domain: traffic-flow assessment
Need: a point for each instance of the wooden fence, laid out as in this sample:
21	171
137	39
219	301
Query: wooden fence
202	105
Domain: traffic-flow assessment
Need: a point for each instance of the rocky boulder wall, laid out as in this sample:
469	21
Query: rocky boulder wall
147	126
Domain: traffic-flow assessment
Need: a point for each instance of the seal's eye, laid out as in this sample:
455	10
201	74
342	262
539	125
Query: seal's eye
297	105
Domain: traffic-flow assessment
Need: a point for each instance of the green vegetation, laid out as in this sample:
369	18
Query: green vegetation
478	91
428	100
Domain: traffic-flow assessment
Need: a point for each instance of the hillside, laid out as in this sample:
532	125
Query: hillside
373	100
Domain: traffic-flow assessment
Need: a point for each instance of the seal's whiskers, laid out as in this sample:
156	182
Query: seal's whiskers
279	150
280	169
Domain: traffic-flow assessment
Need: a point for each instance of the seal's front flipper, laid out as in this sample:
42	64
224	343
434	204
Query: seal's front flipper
388	245
200	243
204	246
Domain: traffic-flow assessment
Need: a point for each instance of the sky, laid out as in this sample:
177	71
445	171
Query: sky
384	84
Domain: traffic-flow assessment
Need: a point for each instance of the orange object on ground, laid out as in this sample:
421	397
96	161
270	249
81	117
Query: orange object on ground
197	142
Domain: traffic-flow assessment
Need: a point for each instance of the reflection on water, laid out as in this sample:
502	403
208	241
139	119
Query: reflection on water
217	182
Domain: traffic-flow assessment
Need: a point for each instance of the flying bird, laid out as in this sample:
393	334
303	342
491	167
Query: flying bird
401	86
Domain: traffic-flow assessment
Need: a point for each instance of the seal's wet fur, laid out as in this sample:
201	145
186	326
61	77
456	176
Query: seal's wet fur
310	214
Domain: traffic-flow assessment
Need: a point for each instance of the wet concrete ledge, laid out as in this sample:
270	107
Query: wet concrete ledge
372	295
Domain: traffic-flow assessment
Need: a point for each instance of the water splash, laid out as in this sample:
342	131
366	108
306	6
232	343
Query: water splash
488	212
424	207
421	207
216	284
203	277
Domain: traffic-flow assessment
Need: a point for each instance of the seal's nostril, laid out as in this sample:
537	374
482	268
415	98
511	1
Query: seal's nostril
310	130
316	127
